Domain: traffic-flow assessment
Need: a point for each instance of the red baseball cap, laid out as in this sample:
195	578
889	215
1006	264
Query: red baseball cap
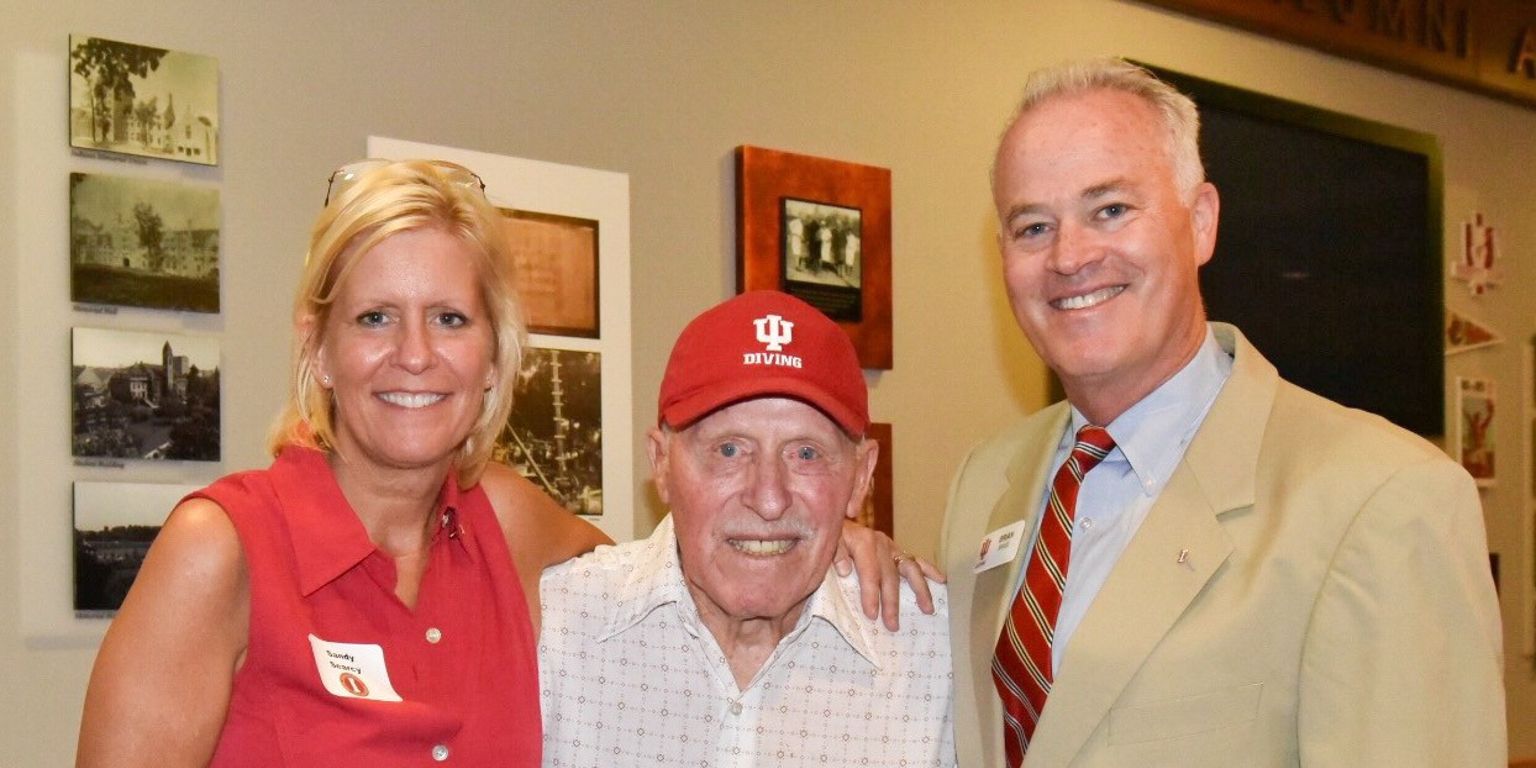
763	344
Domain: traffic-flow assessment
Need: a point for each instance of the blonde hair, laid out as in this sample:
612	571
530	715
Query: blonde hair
1181	119
398	197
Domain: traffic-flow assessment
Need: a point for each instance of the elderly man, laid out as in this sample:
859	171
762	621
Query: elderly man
1192	562
724	639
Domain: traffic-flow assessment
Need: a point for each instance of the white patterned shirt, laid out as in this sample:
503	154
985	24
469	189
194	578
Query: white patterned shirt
630	676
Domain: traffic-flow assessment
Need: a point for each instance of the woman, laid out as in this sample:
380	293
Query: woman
371	599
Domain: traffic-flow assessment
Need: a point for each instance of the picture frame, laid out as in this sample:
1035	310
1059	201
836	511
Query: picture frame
555	259
146	243
132	99
554	435
144	396
1475	404
820	230
114	524
879	505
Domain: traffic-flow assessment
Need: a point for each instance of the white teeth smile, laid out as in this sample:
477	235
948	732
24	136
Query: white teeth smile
763	547
410	399
1088	299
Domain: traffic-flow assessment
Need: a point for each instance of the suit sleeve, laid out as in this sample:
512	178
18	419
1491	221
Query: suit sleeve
1402	663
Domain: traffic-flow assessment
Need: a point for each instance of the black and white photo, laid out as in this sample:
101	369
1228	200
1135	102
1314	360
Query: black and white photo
821	254
555	434
145	395
142	243
138	100
114	526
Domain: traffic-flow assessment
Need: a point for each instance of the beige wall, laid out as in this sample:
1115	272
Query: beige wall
662	91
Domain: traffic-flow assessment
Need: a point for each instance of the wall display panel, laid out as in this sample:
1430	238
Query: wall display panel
114	525
139	242
133	99
568	196
820	230
149	396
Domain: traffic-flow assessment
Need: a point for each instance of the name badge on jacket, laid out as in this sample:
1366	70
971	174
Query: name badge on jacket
999	547
353	670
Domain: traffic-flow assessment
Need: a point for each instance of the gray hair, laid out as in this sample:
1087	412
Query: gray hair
1180	117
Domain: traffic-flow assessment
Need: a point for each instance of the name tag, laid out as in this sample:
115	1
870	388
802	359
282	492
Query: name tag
999	547
353	670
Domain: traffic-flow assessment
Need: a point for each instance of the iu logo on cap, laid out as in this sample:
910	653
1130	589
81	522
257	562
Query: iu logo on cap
774	331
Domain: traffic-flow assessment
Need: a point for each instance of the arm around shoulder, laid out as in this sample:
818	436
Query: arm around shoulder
160	688
539	531
1403	662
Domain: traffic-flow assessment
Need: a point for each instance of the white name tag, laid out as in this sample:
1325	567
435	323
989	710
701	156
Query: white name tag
999	547
353	670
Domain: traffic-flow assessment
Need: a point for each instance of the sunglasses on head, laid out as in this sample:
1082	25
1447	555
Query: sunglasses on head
348	175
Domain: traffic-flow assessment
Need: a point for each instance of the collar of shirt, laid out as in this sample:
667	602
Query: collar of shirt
327	536
1169	416
657	580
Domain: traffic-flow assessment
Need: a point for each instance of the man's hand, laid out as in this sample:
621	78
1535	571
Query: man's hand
882	566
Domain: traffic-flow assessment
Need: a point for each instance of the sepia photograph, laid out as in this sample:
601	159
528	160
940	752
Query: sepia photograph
554	262
145	395
555	434
137	100
821	257
142	243
114	526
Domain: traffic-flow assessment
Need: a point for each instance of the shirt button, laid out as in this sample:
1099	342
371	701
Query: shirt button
440	752
433	635
735	707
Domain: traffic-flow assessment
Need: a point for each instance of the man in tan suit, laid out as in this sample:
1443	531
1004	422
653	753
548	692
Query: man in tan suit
1256	576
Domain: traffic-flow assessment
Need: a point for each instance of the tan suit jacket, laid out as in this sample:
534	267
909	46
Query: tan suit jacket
1334	606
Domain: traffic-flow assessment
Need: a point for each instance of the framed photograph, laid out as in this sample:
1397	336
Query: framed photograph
144	396
878	505
555	261
137	100
554	436
820	230
1474	428
141	243
114	526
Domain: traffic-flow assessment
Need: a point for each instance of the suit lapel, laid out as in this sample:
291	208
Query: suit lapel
1020	501
1149	588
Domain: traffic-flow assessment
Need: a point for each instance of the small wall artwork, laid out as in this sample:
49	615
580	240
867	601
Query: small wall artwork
554	436
1475	404
554	261
144	395
137	100
114	525
140	243
1479	265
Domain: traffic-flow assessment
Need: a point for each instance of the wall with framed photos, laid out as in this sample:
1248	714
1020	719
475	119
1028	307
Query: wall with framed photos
663	93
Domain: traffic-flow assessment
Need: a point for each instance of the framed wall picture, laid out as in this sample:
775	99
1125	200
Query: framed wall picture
140	395
555	261
819	230
1474	429
137	100
143	243
554	435
114	525
879	510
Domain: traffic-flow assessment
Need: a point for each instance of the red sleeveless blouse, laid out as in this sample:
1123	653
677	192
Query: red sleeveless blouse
338	671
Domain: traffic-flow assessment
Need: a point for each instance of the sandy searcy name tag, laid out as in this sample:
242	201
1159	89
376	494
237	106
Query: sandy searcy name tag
999	547
353	670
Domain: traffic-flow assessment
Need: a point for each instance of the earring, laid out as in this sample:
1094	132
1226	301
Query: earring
325	380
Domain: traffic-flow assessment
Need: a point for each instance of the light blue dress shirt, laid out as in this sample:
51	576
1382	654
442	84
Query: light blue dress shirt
1150	440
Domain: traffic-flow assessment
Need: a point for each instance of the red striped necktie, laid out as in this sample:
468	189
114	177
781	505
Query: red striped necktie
1021	665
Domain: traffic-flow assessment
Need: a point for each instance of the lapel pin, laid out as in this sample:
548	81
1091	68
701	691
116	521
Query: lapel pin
1183	555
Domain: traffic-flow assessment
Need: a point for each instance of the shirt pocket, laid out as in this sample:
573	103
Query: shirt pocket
1185	716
